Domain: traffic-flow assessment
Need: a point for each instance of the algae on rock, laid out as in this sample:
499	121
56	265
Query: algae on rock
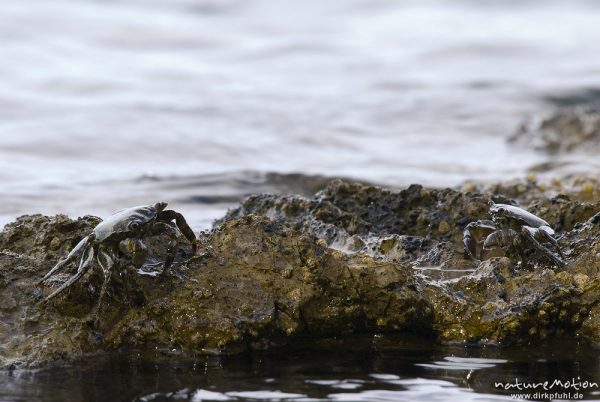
354	258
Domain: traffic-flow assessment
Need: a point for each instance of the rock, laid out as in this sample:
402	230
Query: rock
497	302
354	258
261	284
566	130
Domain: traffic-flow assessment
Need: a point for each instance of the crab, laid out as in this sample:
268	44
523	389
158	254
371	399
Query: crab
122	233
512	230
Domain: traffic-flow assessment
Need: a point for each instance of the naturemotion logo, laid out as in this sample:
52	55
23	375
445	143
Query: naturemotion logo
547	385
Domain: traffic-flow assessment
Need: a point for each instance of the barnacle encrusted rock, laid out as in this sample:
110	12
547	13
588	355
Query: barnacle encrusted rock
353	258
255	284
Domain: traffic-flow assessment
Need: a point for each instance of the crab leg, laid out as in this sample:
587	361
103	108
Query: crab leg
496	242
84	266
77	250
140	253
552	240
173	245
106	261
527	232
138	250
169	215
171	252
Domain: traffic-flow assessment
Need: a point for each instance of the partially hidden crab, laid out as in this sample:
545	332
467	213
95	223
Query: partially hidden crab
511	231
122	233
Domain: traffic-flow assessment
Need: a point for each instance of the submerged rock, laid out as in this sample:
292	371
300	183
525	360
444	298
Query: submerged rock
353	258
568	129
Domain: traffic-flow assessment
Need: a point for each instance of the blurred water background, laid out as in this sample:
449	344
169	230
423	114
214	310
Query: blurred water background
108	104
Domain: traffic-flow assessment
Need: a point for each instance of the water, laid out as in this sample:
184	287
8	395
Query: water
353	369
108	104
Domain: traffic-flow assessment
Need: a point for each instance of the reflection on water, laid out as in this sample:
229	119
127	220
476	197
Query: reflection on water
360	368
462	363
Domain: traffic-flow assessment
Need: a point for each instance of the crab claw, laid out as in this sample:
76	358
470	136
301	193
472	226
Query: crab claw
469	243
160	206
182	225
473	234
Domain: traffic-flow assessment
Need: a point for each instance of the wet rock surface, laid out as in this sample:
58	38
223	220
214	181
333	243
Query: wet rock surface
352	259
567	129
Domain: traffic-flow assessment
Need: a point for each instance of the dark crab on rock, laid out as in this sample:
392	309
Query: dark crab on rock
512	232
121	234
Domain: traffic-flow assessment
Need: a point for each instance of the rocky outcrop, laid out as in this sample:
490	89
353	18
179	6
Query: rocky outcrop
353	258
255	284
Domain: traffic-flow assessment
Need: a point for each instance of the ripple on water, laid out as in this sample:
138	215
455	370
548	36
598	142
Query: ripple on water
463	363
200	395
342	384
379	384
